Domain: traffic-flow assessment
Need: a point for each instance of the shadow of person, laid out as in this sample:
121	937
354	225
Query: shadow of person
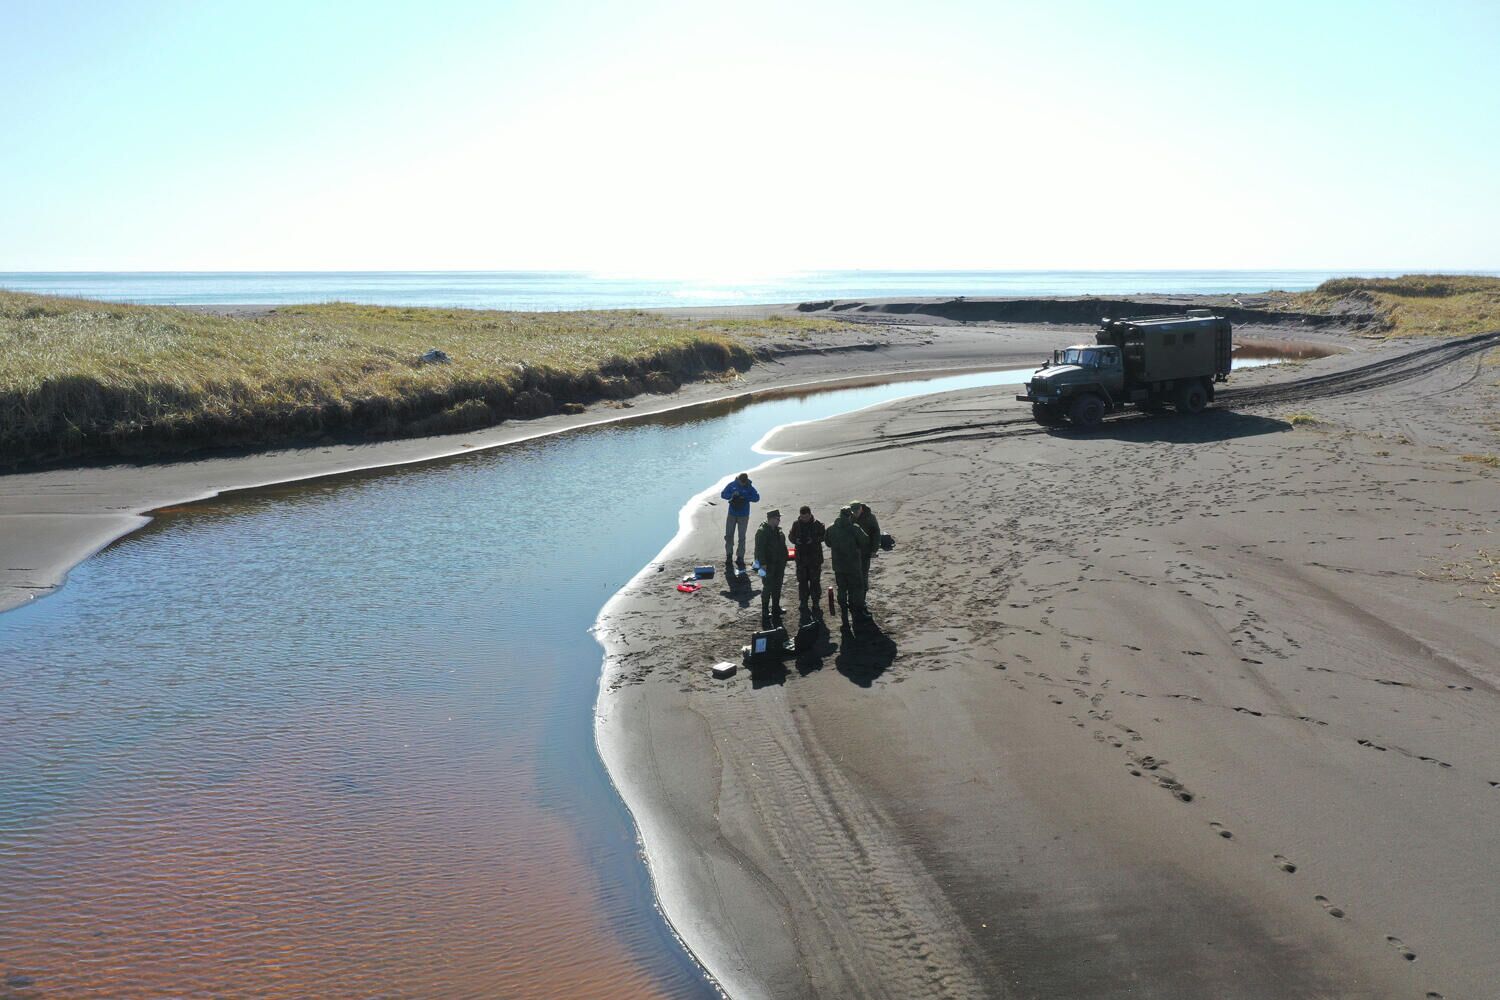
737	588
810	660
771	673
865	654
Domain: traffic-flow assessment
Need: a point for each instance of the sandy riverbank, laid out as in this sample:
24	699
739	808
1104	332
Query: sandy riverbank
1176	709
52	519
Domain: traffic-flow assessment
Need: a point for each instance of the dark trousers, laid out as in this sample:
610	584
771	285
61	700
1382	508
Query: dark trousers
851	586
770	594
864	558
809	584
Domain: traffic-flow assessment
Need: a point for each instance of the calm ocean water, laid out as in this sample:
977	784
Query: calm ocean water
553	290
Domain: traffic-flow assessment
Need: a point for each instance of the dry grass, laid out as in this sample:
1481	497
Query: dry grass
79	377
1492	461
1411	305
1302	419
1480	574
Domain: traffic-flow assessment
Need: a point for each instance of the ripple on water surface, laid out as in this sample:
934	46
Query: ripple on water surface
336	739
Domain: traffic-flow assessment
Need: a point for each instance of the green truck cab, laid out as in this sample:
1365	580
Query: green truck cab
1148	362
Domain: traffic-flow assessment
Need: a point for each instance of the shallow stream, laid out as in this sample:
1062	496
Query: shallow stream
336	739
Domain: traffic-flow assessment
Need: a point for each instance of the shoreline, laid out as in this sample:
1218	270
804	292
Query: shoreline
44	544
732	982
747	794
51	519
368	373
746	873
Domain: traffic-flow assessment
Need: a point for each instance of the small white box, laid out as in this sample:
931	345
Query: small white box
723	670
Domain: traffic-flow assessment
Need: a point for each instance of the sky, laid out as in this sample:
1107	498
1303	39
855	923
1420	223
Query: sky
659	138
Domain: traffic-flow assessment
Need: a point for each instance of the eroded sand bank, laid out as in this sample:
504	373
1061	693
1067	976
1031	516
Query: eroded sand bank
52	519
1180	708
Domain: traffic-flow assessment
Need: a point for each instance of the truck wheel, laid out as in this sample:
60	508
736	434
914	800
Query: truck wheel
1087	410
1047	414
1191	398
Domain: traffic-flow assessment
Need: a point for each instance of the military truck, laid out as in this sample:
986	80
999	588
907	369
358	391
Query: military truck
1146	362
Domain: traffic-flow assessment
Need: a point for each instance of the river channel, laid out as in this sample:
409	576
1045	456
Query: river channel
336	738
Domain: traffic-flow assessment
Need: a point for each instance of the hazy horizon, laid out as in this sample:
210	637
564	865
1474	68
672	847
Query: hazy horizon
670	139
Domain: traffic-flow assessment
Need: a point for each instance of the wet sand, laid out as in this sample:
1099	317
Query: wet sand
50	520
822	836
1180	708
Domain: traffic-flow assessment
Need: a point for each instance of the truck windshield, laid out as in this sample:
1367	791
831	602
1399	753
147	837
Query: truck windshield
1088	357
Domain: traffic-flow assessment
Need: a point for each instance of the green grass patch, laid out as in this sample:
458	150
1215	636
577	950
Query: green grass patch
1439	305
82	378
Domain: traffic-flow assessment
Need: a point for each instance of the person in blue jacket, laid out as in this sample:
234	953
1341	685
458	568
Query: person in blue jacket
740	493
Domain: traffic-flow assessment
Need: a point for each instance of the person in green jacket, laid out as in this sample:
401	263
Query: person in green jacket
865	518
846	544
770	553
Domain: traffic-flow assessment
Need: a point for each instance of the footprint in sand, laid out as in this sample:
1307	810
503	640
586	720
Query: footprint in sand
1218	828
1400	946
1327	904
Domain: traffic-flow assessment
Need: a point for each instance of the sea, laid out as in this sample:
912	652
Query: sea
565	290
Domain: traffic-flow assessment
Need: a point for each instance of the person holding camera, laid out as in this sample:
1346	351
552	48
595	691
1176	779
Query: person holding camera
740	493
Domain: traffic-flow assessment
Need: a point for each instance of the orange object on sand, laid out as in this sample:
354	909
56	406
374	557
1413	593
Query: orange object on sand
689	588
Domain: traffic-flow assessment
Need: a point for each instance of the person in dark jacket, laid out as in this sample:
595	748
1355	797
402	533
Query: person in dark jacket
865	518
770	552
740	493
846	543
806	537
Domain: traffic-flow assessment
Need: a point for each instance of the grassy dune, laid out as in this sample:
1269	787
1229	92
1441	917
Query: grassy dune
1411	305
84	378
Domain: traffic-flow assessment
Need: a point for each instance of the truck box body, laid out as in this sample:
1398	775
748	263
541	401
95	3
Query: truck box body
1150	362
1170	348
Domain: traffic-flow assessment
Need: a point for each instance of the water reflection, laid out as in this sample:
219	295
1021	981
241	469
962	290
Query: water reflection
336	739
